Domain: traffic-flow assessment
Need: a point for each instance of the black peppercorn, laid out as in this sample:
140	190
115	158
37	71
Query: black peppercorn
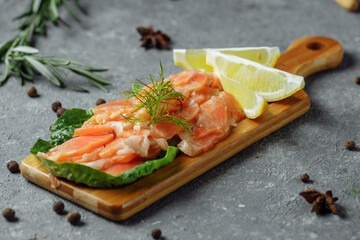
350	144
357	80
305	178
13	166
9	214
74	218
60	112
32	92
156	233
55	106
100	101
58	207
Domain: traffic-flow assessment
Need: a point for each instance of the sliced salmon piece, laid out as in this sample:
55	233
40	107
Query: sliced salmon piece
153	151
164	130
120	127
183	77
77	146
104	117
120	168
114	147
118	159
213	118
142	114
111	111
95	130
192	82
192	147
235	113
203	95
140	143
211	127
118	105
161	142
214	80
88	157
90	122
190	112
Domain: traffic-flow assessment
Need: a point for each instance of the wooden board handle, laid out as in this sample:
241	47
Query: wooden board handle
309	55
350	5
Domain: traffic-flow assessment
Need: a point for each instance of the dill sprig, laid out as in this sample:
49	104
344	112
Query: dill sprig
20	60
156	98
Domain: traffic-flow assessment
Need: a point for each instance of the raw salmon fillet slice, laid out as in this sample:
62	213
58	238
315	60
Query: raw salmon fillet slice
95	130
235	113
120	168
77	146
212	125
114	106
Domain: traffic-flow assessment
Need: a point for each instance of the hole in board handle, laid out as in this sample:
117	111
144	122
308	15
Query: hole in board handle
315	46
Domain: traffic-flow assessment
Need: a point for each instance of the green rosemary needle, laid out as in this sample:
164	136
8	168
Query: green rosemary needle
20	59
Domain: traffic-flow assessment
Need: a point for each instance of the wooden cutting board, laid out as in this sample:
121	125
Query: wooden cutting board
304	56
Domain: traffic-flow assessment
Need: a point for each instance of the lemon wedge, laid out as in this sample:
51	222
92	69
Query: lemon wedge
252	104
270	83
196	58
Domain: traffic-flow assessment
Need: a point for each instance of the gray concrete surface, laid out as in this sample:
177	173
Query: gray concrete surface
243	198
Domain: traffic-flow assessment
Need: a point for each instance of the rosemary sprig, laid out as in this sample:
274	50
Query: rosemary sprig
156	99
25	64
18	56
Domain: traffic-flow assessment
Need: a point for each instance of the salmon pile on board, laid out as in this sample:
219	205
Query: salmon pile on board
111	143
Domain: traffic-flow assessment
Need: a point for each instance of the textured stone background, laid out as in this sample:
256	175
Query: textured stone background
243	198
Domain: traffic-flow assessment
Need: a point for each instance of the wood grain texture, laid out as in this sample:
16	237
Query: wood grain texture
122	202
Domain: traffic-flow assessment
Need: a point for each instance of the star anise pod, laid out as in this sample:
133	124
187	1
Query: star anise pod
143	31
318	205
320	202
330	201
151	39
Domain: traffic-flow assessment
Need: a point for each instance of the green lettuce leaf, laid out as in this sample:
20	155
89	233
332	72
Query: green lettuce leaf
41	146
63	130
93	177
